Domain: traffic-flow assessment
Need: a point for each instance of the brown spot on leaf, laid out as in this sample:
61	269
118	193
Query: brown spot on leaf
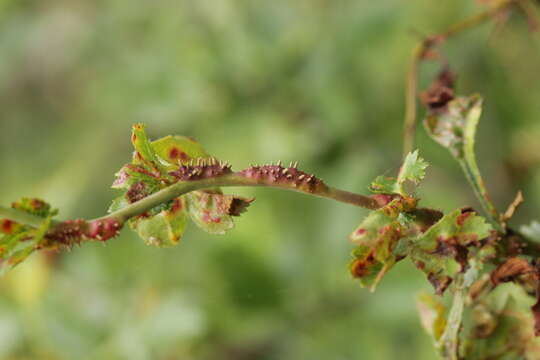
176	153
7	226
37	204
177	205
360	232
360	267
463	217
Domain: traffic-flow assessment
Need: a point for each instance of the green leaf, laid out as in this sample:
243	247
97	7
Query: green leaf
413	169
377	237
442	251
211	210
165	227
144	154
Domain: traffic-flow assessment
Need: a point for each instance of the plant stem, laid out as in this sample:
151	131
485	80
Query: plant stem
449	341
235	179
20	216
482	195
411	87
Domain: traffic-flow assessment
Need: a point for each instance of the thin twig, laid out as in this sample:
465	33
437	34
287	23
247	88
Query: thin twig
171	192
411	87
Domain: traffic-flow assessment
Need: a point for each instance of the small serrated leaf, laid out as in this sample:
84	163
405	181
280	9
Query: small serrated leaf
413	169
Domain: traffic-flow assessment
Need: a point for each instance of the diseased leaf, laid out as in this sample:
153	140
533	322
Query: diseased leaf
165	227
499	326
176	150
18	241
377	237
443	251
455	129
34	206
212	211
161	163
448	127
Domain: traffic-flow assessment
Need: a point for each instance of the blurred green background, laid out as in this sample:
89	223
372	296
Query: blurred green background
318	81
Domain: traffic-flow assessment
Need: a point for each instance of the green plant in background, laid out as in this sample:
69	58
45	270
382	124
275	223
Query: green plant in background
173	179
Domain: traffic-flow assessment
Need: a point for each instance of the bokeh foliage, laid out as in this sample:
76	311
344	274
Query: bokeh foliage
316	81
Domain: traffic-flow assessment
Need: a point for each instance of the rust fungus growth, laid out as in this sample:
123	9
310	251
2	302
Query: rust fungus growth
7	226
103	229
361	267
66	233
201	169
285	176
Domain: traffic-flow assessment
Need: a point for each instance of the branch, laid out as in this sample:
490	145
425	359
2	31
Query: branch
236	179
419	52
107	226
